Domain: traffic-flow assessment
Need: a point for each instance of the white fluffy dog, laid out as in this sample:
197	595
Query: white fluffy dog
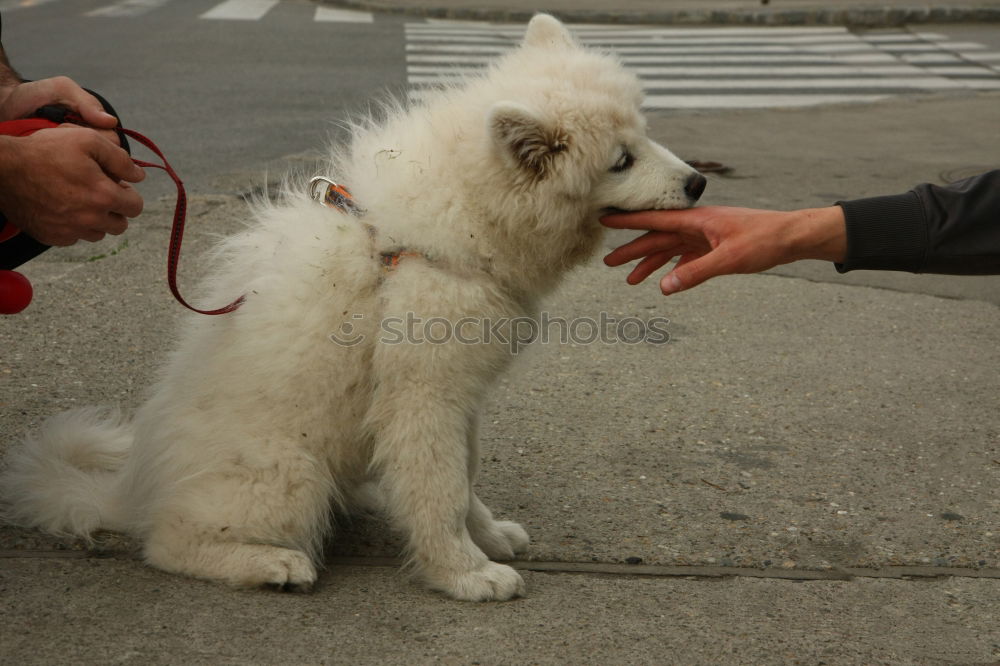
261	424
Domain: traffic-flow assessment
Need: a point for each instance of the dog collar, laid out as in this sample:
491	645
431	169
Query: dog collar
334	195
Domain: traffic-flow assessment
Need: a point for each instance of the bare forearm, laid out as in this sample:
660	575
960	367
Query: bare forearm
8	76
815	233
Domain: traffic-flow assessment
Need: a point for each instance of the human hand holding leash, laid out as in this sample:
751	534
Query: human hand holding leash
59	186
67	184
21	100
722	240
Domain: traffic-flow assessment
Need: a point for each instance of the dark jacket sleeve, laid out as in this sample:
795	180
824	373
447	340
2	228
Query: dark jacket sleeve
952	229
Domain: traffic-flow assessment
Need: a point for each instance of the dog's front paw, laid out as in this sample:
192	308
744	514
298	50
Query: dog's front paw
500	539
491	582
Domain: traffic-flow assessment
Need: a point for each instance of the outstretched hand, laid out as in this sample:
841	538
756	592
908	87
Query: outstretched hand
721	240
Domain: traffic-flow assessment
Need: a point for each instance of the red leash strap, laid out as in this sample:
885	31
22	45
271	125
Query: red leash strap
177	229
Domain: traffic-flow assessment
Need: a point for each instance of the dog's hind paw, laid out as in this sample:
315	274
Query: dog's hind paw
238	564
279	569
491	582
516	536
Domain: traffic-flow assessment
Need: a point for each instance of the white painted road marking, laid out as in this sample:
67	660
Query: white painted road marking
240	10
731	67
334	15
127	8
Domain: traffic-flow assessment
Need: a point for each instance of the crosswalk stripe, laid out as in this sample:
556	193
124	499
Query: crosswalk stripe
127	8
224	10
851	47
918	58
743	101
747	71
336	15
587	31
240	10
906	37
958	46
730	67
21	4
229	10
963	69
923	83
646	41
883	58
754	101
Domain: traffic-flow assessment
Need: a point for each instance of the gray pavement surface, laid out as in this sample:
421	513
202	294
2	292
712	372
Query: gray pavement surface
792	427
797	425
115	612
739	12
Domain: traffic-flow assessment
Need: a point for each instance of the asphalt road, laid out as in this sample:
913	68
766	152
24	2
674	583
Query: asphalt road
219	97
235	103
788	427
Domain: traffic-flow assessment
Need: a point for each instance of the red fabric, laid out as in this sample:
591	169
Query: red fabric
8	231
25	126
22	127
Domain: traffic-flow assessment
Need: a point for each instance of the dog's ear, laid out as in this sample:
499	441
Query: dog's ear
546	31
524	137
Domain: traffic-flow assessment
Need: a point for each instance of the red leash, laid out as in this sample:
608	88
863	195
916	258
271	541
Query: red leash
177	229
14	292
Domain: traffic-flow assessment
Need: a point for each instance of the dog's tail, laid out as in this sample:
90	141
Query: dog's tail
66	479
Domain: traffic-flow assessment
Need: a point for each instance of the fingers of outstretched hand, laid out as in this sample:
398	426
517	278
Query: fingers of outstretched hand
652	242
693	269
654	220
648	266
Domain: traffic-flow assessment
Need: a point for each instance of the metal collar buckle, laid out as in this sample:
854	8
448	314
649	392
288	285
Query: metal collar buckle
331	194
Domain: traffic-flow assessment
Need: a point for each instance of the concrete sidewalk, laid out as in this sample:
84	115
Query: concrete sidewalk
808	472
695	12
770	486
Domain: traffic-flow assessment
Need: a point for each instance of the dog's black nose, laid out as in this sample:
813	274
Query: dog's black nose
694	186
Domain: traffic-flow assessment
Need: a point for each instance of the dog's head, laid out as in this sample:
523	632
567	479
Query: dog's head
573	129
516	164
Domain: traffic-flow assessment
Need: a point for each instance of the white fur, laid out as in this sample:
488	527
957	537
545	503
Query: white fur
259	424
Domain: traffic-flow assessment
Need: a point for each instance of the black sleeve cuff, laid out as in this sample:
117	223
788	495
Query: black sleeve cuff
886	233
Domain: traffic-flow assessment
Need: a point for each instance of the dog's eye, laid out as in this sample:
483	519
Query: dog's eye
624	162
